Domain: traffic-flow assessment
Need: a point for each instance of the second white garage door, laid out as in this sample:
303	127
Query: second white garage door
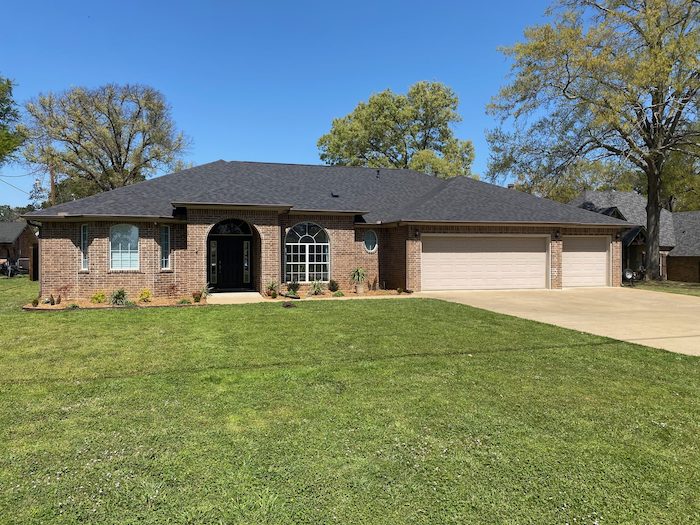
585	261
483	263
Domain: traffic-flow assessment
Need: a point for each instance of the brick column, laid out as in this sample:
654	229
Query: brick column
414	247
555	250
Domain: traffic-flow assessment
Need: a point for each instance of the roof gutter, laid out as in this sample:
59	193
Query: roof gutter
500	223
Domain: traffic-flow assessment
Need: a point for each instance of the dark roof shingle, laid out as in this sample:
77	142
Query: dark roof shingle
386	195
9	231
687	227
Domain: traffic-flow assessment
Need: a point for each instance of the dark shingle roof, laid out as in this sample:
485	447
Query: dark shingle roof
687	226
632	206
386	195
9	231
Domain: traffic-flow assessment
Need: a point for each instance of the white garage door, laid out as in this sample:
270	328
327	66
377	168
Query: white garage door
483	263
585	261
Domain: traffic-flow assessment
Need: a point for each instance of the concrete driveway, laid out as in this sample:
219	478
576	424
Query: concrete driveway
657	319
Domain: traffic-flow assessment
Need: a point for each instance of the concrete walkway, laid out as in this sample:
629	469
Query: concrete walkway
657	319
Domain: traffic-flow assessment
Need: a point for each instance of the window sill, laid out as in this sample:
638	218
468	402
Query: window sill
83	272
167	270
125	271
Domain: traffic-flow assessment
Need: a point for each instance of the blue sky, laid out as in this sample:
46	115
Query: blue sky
263	80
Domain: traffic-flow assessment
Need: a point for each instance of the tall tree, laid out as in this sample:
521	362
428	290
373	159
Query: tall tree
101	139
401	131
10	138
604	79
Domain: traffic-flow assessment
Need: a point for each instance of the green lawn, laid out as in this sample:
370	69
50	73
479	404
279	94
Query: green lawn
671	287
383	411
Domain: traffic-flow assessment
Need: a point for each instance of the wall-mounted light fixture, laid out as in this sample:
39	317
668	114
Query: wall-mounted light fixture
618	236
557	235
416	233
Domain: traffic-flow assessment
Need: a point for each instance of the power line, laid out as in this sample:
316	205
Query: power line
15	187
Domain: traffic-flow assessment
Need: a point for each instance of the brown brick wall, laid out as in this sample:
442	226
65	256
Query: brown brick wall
60	247
22	247
396	263
686	269
346	247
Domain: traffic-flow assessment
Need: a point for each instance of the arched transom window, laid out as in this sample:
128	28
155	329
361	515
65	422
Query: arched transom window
307	253
124	247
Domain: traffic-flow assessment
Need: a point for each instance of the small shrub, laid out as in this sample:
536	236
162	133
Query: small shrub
58	299
206	291
35	302
184	301
273	294
399	291
338	293
316	288
52	301
272	287
118	297
98	298
333	286
293	287
145	296
130	304
72	306
196	296
358	275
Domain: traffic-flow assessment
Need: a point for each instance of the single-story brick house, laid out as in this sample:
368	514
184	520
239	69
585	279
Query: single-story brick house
239	225
679	235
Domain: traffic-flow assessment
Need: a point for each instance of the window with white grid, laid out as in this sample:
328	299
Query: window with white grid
307	253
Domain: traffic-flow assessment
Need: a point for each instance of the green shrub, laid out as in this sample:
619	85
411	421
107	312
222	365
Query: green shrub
338	293
98	298
273	294
358	275
72	306
399	290
293	287
316	288
272	287
35	302
130	304
145	296
333	286
196	296
118	297
184	301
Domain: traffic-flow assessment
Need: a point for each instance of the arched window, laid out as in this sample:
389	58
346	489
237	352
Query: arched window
307	253
231	227
124	247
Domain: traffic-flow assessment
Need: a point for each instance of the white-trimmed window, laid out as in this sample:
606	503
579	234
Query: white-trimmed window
124	247
307	253
84	261
370	241
165	247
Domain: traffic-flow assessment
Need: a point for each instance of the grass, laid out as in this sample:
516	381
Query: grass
670	287
392	411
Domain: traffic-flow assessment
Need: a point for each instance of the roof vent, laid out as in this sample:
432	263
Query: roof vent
377	172
511	186
334	195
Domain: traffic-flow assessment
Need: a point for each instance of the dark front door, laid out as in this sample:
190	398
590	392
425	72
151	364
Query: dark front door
230	263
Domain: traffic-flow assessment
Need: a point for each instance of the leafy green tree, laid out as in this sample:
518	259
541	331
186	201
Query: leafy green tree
603	80
401	131
101	139
10	138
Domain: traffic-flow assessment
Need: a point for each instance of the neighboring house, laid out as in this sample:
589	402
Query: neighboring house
676	251
16	242
684	259
240	225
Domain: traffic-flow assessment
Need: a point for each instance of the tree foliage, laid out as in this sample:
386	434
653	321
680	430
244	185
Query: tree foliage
10	138
607	79
101	139
401	131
